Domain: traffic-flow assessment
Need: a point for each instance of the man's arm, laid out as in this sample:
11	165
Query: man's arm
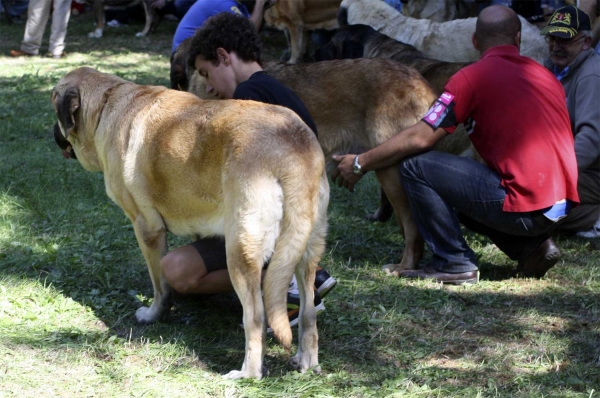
257	13
417	138
587	122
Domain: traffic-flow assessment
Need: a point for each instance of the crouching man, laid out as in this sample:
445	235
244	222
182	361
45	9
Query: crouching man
520	127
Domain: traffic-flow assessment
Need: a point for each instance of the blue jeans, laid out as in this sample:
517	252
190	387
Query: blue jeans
444	190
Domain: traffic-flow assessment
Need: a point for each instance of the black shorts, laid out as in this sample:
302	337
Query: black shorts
212	251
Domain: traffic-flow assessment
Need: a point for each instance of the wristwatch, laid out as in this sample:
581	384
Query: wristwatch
356	168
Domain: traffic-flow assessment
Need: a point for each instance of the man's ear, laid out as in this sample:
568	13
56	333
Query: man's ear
518	40
223	56
587	43
474	41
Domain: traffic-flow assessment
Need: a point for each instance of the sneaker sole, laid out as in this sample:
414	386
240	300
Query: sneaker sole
326	286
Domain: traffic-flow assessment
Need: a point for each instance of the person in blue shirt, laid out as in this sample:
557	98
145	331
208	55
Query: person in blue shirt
201	10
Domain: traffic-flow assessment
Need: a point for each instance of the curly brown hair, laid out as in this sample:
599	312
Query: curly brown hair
232	32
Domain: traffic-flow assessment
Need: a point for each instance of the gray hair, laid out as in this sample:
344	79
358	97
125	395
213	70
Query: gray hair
586	33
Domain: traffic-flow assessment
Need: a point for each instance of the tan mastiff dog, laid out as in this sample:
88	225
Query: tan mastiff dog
356	105
251	172
297	17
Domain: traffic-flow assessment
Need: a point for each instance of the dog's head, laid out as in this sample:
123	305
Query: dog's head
347	43
78	99
180	73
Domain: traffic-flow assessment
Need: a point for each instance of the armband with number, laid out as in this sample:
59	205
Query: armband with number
441	113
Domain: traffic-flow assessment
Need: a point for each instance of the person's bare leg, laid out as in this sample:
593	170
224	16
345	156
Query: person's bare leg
185	271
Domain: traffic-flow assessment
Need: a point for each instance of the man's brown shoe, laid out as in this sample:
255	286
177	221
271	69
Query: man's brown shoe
20	53
540	260
427	272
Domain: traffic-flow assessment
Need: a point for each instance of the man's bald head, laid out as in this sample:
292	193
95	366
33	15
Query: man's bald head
496	26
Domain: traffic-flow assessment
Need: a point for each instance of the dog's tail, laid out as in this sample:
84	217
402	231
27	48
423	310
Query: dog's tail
300	242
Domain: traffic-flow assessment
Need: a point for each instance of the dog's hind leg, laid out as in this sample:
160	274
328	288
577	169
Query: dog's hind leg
389	179
151	20
151	235
307	356
245	274
297	42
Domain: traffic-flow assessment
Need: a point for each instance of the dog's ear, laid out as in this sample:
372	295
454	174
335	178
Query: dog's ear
67	105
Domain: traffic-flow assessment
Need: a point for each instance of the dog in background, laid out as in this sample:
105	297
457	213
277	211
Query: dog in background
447	41
251	172
362	41
152	17
297	17
356	105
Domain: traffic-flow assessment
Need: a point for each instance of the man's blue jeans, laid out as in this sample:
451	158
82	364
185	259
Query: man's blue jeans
445	189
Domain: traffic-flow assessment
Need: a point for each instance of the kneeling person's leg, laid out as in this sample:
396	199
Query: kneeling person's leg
199	268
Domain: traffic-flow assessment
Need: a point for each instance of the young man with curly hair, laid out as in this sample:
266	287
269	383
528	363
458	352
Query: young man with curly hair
226	51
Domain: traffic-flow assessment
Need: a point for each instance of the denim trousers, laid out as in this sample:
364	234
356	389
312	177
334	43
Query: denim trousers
445	190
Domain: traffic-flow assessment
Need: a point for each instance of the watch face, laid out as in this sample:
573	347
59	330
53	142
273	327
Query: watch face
356	168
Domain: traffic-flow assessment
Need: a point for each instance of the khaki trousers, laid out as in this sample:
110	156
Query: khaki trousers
37	18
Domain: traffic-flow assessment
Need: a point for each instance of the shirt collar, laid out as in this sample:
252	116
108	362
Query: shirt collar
507	49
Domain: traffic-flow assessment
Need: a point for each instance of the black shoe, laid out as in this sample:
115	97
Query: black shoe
428	272
324	282
536	264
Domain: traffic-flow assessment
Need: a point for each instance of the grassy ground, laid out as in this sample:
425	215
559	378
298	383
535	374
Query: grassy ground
71	278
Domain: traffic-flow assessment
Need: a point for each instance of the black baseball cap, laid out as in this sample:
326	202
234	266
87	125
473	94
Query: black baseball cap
567	22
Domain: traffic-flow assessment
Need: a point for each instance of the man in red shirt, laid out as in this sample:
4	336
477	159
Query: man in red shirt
518	122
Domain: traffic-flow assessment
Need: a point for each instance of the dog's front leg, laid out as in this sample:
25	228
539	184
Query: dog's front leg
152	239
389	179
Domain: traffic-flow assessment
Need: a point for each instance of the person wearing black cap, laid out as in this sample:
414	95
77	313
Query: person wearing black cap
574	62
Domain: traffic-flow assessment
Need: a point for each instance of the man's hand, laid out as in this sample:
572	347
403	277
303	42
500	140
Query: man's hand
344	173
158	4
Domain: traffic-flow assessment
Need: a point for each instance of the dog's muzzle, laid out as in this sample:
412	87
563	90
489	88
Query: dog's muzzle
61	141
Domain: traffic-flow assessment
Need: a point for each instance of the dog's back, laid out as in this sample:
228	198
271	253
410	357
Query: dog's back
362	41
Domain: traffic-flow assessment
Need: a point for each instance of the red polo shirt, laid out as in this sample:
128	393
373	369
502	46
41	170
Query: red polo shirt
522	127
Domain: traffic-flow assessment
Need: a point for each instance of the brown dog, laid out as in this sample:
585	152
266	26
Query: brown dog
299	16
356	105
152	17
362	41
248	171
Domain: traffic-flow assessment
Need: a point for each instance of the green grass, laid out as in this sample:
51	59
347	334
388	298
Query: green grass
72	276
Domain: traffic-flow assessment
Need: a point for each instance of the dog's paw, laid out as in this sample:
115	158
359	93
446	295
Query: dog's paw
140	34
95	34
394	269
241	374
301	365
145	315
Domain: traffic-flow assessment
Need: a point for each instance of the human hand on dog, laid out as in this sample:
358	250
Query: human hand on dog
344	173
